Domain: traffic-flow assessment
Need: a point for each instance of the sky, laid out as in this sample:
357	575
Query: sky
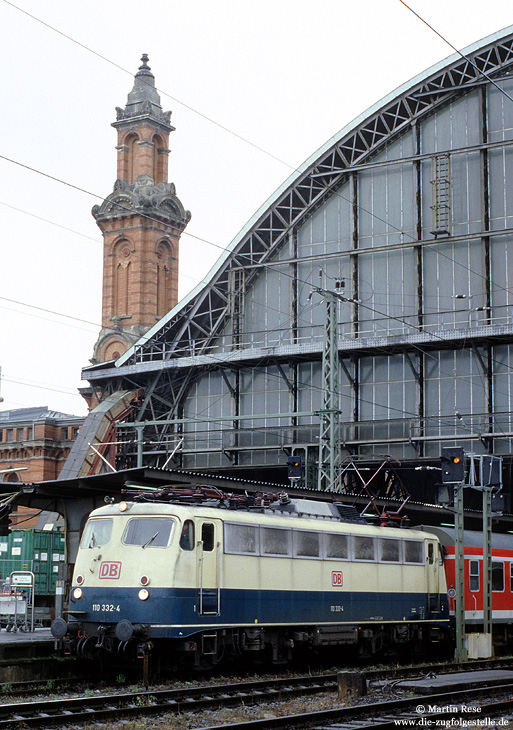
255	88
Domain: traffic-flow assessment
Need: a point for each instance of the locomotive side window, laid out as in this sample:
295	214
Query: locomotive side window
207	536
413	551
307	544
473	575
148	532
337	547
240	539
187	536
364	548
497	576
276	541
390	551
431	553
96	533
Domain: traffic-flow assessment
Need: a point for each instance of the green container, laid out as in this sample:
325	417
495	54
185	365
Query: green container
39	551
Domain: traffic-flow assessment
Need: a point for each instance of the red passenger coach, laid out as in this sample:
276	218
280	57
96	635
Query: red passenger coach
502	578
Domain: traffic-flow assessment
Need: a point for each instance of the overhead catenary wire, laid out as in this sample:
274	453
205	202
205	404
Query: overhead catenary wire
466	58
130	73
361	208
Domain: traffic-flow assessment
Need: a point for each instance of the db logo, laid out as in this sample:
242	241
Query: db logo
110	569
337	578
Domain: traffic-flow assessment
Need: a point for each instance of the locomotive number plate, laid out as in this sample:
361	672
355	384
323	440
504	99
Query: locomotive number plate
105	607
110	569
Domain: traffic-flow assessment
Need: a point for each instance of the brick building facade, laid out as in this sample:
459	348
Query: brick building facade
34	444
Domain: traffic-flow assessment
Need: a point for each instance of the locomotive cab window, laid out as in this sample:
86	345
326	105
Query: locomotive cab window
148	532
187	536
431	553
207	536
96	533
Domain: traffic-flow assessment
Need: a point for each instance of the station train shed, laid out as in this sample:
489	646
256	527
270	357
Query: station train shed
365	309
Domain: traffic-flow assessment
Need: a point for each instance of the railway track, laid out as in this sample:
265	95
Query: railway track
192	699
114	706
391	715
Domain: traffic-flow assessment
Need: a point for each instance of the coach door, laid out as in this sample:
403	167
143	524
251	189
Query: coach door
209	568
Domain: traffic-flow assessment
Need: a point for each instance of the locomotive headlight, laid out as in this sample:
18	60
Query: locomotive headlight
77	593
143	594
144	580
80	579
123	506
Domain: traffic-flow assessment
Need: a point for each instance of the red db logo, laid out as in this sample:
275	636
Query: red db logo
337	578
110	569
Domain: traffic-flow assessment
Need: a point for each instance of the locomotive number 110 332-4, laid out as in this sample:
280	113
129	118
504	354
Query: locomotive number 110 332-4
106	607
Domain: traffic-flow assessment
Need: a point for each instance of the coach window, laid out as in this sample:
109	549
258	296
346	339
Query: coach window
390	551
473	575
497	576
307	544
364	548
413	552
276	542
187	536
511	577
207	536
337	547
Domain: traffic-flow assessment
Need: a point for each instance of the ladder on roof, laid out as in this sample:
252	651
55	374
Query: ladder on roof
441	196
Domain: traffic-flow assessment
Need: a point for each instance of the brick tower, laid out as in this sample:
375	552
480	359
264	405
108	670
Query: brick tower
141	222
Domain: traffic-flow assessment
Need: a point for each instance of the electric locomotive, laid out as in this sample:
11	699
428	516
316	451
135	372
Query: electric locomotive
193	582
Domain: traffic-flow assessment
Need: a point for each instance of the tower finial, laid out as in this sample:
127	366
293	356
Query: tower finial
144	59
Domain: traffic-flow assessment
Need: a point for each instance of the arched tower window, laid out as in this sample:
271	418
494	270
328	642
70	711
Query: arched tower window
122	271
131	143
163	253
159	160
127	157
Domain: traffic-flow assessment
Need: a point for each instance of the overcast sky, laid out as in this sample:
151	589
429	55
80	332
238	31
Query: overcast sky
285	75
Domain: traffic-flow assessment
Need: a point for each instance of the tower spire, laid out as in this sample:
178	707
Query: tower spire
141	222
144	99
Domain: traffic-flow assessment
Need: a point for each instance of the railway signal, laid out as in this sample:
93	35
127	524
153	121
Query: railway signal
294	467
453	465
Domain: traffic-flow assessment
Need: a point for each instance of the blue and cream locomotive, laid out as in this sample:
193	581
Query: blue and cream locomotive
198	581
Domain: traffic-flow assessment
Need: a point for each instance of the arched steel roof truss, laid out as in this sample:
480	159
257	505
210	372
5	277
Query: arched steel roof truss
192	328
